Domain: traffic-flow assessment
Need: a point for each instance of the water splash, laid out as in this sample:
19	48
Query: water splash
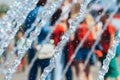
40	21
84	38
46	39
110	55
99	36
13	20
97	41
65	38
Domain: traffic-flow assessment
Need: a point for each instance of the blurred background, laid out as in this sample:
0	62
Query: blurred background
91	71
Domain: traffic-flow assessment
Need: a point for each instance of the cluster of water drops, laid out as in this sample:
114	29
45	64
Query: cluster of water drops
15	18
65	38
11	22
39	22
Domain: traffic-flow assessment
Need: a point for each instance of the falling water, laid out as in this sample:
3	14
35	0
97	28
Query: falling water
97	41
65	38
84	38
46	39
110	55
49	10
99	36
12	26
13	20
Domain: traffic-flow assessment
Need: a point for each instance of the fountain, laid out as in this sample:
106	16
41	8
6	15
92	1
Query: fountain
15	18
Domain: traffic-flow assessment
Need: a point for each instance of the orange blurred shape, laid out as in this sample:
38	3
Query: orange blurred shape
98	53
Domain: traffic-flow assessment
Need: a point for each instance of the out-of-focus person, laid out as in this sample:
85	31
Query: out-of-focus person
56	36
105	42
69	50
82	54
70	46
39	62
19	44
